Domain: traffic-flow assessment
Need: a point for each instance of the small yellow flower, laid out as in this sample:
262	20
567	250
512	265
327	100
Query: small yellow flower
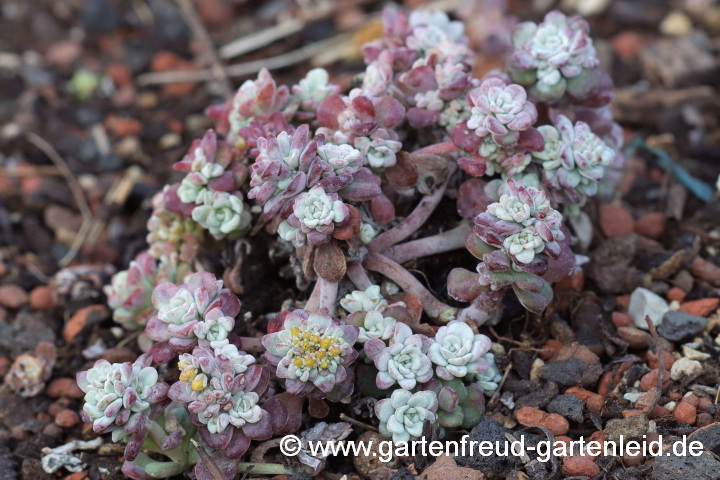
188	374
199	383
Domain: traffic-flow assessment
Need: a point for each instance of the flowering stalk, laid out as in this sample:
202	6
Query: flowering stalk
434	308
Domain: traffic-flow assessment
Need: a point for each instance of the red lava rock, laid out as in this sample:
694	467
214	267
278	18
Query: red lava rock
56	407
649	380
691	399
676	294
702	307
635	337
703	420
532	417
167	61
605	383
41	298
52	430
615	221
552	346
632	413
12	296
78	321
595	404
123	126
77	476
706	270
651	225
43	417
67	418
686	413
62	54
64	387
654	360
623	301
4	366
621	319
627	44
577	351
120	74
660	411
580	466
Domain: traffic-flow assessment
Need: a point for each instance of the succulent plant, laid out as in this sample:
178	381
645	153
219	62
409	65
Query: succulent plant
501	111
556	56
404	361
210	168
459	405
120	395
255	98
359	300
314	218
403	415
457	351
130	292
490	379
453	30
171	234
198	309
312	90
222	214
222	389
573	160
312	353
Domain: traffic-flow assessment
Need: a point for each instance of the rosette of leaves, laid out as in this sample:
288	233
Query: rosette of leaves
129	294
519	242
458	352
373	315
168	435
255	98
119	397
558	57
312	354
311	91
222	390
404	361
573	161
314	218
199	310
490	379
459	405
403	415
367	123
210	168
223	214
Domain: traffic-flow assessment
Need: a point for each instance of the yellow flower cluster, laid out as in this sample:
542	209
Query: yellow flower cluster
312	350
188	373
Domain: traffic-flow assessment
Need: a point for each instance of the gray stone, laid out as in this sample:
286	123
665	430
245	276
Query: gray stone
704	467
709	436
569	406
571	372
677	326
538	398
631	428
644	303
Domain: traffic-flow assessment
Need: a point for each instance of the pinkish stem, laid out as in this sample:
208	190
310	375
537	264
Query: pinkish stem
434	308
251	345
313	302
358	276
415	220
443	148
328	295
442	242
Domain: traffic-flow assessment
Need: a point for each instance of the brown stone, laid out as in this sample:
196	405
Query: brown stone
577	351
635	337
580	466
649	380
686	413
330	262
350	227
651	225
62	54
64	388
4	366
67	418
654	360
41	298
615	221
622	319
77	476
627	44
703	420
706	270
445	467
633	460
12	296
676	294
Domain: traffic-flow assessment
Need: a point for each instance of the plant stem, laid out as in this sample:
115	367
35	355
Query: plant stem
415	220
442	242
313	302
443	148
328	295
263	468
358	276
434	308
158	434
474	313
252	344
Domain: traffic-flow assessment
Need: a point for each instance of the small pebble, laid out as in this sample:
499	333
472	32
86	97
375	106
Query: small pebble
685	368
702	307
64	387
580	466
41	298
686	413
67	418
12	296
615	221
533	417
676	294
